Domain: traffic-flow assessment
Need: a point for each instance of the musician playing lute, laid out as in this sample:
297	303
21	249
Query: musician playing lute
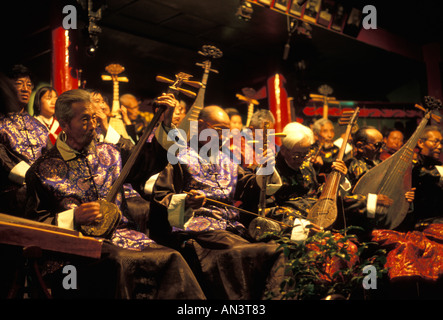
300	188
367	143
65	186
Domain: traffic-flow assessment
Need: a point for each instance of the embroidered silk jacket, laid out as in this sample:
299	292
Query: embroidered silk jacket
223	181
22	139
62	179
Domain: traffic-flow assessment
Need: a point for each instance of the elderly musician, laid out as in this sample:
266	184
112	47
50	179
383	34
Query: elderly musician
300	188
190	214
367	143
64	186
427	178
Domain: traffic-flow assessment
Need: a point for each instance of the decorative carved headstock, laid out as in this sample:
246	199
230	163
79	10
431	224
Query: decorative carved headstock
432	104
115	69
180	78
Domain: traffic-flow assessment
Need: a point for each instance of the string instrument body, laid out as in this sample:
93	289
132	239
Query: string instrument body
324	212
392	177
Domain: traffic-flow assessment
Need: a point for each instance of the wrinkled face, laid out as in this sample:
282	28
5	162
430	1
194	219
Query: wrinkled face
236	122
431	146
327	134
47	104
394	141
24	88
372	148
81	129
297	155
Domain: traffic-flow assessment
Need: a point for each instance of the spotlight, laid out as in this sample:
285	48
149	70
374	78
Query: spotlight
91	50
244	11
92	46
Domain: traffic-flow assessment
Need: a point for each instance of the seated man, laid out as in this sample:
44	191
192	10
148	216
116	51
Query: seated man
63	188
22	140
139	119
293	165
211	235
417	243
427	178
393	141
367	144
104	128
324	146
300	188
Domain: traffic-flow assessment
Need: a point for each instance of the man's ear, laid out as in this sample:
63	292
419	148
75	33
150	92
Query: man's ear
359	146
420	143
283	151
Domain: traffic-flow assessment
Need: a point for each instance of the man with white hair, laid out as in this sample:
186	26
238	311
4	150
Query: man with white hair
300	188
293	165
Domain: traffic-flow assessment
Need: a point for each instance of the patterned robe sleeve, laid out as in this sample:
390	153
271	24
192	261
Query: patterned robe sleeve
8	161
37	198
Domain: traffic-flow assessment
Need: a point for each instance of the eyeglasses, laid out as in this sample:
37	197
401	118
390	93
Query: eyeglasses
378	145
300	155
435	142
22	84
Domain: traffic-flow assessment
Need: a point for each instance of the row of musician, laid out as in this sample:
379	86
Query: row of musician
57	163
307	160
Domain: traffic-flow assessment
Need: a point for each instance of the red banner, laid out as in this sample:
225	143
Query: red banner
364	112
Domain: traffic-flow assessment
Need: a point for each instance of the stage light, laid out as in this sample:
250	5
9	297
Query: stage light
92	45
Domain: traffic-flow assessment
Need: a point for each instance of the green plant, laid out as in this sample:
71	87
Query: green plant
326	263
